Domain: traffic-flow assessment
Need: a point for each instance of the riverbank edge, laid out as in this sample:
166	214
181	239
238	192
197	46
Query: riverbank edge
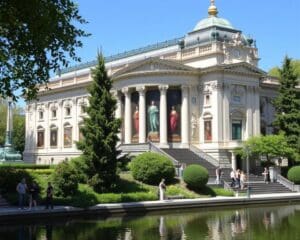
107	210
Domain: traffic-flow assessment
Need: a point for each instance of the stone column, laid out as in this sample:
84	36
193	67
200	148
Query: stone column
118	112
128	119
163	129
233	161
185	117
142	114
249	114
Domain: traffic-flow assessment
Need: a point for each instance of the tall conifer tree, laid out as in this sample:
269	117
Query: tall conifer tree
100	132
287	105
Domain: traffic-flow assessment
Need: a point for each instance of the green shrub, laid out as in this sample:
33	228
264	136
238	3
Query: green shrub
152	167
10	177
65	180
80	167
294	174
195	176
24	166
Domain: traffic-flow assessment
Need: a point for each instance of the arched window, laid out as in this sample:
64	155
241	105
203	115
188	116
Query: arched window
67	135
207	127
53	136
40	137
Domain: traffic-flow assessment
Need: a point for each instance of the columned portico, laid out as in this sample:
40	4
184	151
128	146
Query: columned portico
118	112
233	161
127	112
163	116
142	114
185	117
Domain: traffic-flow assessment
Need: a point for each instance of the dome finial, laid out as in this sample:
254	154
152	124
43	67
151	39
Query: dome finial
212	10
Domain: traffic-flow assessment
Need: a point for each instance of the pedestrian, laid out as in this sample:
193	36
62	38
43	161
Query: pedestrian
162	189
238	178
33	195
218	174
21	189
266	175
232	176
49	196
242	180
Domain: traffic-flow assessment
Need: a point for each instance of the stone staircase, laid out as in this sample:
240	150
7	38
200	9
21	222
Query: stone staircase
258	186
3	202
188	157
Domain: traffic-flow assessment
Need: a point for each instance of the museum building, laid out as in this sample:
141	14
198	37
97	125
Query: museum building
203	92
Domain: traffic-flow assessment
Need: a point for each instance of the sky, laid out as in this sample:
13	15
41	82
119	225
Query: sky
121	25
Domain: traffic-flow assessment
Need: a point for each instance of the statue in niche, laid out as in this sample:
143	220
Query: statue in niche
153	117
173	120
194	125
136	120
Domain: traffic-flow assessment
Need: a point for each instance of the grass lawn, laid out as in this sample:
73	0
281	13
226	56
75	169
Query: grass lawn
127	190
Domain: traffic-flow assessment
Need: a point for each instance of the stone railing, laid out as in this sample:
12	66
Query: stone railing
287	183
153	148
204	155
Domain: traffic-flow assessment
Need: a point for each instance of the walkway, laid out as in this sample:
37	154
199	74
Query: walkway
11	214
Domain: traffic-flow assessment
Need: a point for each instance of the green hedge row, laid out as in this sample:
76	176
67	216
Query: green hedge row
24	166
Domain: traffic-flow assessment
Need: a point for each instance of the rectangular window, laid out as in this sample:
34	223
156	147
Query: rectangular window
53	113
237	99
41	115
68	111
207	131
237	130
40	139
53	138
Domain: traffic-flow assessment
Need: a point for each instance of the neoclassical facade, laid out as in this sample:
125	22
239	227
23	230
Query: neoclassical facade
204	90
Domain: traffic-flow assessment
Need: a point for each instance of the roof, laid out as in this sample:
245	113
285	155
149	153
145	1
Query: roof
213	21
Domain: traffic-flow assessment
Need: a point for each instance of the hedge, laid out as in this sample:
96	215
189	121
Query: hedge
195	176
151	167
294	174
24	166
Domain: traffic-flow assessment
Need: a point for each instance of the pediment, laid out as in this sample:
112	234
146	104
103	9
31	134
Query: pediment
152	65
244	68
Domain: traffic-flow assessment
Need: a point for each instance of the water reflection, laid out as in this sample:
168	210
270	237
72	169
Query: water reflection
279	222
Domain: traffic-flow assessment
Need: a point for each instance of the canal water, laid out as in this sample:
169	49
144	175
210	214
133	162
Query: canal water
261	222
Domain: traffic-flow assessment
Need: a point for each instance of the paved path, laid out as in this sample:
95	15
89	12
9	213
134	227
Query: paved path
13	213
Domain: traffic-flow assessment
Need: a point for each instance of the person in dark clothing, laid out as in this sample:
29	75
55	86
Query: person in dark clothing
33	195
49	196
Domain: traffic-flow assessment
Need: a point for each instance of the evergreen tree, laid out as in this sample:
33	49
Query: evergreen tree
100	132
287	105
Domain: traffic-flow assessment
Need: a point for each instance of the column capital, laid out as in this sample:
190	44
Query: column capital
163	88
126	90
141	89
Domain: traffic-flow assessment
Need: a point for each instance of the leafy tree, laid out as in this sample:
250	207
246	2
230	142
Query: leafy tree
100	132
269	146
36	36
287	105
18	127
295	64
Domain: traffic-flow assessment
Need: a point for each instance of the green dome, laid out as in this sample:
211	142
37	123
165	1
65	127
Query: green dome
213	21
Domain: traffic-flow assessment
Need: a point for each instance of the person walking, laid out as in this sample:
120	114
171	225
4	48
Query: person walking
218	174
33	195
232	176
162	189
21	189
266	175
242	180
49	196
238	178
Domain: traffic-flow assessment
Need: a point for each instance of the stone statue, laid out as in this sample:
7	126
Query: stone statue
237	39
194	125
136	120
173	120
153	117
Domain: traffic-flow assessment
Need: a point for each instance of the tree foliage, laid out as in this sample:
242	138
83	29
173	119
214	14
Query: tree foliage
36	36
100	132
269	147
18	127
287	105
275	71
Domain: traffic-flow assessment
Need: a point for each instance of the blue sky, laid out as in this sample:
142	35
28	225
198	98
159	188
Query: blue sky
119	25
